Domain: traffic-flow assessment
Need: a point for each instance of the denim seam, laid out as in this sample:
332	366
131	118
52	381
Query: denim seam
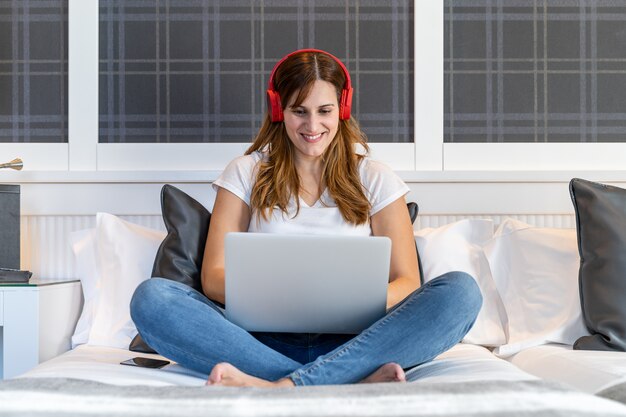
297	380
354	342
286	343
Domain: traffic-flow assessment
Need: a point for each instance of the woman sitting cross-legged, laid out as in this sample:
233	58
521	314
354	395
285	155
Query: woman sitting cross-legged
303	174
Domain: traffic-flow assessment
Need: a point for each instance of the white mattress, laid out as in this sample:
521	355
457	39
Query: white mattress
464	363
102	364
587	370
461	363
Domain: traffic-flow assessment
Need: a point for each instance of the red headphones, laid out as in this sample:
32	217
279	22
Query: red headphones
273	98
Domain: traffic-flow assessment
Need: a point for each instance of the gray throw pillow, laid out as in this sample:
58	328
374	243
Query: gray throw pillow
413	212
601	229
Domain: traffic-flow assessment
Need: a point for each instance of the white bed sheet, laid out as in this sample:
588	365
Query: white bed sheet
102	364
465	363
95	363
587	370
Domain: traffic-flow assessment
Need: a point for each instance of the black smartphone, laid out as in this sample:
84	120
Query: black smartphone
145	362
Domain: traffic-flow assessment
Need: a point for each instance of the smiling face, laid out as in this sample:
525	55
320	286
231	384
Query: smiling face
312	125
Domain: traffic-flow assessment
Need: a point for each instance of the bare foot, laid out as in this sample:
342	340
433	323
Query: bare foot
389	372
226	375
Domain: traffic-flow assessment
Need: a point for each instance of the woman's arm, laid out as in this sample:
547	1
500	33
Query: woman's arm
230	214
393	221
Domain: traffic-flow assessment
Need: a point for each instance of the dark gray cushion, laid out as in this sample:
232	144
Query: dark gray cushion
601	228
179	257
413	212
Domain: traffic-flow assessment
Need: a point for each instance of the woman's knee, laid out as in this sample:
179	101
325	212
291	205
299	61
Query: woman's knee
160	299
463	288
147	299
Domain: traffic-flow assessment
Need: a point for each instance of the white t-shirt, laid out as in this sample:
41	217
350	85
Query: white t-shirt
382	187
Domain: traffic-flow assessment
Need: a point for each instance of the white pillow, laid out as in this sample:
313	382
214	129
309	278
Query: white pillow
125	256
83	244
458	247
536	272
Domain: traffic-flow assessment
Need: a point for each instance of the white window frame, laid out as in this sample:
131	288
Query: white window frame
498	157
87	154
428	152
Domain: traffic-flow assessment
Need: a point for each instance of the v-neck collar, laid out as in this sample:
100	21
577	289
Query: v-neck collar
317	202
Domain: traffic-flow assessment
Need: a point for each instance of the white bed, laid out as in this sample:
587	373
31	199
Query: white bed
117	255
467	363
467	380
102	364
462	363
586	370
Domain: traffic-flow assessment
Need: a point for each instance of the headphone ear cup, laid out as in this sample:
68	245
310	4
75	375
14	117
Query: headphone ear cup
345	106
274	106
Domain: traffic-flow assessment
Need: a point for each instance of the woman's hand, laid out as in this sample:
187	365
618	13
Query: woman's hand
230	214
394	222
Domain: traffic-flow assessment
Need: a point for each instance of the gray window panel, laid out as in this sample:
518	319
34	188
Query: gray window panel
33	71
535	71
197	71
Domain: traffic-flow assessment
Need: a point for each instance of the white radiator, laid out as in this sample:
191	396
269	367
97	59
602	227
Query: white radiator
45	241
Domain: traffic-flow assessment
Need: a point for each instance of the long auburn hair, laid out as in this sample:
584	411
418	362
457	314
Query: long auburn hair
277	179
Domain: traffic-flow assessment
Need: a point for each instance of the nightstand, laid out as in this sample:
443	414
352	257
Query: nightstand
37	320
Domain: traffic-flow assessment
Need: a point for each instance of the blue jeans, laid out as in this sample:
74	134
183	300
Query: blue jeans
187	327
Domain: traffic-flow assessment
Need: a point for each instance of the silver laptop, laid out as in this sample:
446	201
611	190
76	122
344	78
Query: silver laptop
305	283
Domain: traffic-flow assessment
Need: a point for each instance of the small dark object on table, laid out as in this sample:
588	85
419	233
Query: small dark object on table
8	275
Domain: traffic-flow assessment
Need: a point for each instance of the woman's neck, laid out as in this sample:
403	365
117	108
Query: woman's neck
310	173
309	168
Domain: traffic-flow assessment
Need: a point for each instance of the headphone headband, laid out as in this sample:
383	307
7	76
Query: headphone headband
273	98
